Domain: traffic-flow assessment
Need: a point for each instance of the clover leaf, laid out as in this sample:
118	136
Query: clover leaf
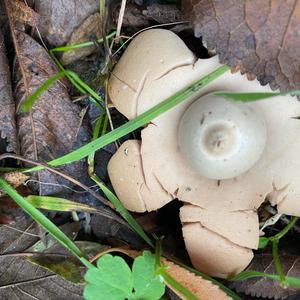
113	279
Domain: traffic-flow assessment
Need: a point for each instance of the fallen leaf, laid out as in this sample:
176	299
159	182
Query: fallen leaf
20	279
70	229
259	38
53	127
163	13
200	287
59	18
268	288
133	15
140	16
89	30
15	179
23	13
7	104
63	263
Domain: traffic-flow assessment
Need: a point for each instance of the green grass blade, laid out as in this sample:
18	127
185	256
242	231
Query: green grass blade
134	124
44	221
176	285
248	97
84	86
292	281
30	100
58	204
123	211
80	45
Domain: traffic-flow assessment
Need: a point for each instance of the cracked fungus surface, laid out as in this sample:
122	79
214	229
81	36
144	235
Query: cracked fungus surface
161	172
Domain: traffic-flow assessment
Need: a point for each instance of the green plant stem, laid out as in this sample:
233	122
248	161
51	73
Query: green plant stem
158	253
61	67
161	271
91	157
36	215
292	281
176	285
136	123
81	45
30	100
277	263
286	229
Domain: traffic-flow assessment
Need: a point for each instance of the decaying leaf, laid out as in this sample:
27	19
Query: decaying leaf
23	13
133	15
15	179
200	287
163	13
63	263
53	127
20	279
7	104
141	16
59	18
267	288
89	30
260	38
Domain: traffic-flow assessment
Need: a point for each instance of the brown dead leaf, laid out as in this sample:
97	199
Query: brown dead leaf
133	15
163	13
200	287
138	16
7	104
20	279
89	30
15	179
267	288
60	261
260	37
23	13
59	18
53	126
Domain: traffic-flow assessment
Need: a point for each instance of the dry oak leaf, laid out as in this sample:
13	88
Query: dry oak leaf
268	288
259	38
59	18
90	29
7	104
53	126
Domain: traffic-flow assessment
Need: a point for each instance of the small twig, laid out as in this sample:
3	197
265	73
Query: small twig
120	18
144	29
69	178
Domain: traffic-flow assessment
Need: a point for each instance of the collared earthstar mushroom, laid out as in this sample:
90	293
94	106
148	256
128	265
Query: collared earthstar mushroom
221	158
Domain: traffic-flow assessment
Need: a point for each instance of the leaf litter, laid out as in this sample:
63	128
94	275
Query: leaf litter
52	129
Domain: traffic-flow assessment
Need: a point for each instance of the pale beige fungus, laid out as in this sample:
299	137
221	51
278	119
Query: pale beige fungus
220	223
